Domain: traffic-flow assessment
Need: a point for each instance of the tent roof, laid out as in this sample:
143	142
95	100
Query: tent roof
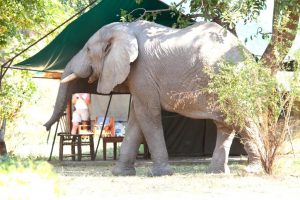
56	55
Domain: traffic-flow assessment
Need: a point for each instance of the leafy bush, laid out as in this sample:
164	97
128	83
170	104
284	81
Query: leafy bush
248	89
250	93
27	179
17	88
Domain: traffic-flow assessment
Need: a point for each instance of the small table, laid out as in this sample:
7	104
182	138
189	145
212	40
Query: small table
113	140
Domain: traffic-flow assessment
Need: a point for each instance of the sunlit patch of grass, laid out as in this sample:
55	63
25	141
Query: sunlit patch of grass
288	165
27	179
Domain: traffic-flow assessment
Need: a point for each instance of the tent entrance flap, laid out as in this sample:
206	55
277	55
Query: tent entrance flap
57	53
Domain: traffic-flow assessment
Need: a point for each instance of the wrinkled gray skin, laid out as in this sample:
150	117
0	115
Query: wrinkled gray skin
159	66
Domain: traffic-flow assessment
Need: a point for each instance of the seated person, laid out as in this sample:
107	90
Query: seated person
81	113
109	126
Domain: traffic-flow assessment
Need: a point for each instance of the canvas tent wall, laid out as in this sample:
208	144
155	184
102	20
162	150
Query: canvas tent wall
119	106
184	136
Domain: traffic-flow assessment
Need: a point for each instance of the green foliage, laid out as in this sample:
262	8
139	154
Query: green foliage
244	91
22	23
250	93
17	88
76	4
249	90
227	11
20	179
20	16
125	16
284	6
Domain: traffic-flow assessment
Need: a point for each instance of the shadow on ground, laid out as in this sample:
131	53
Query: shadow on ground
103	168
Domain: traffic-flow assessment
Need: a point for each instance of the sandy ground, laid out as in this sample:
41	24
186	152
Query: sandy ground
93	180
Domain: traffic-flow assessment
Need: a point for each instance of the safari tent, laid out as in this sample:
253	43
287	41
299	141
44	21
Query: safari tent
184	136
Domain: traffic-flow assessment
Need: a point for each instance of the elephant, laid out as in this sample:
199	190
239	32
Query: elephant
160	66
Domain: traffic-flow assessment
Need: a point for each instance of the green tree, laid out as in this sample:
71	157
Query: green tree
21	23
19	18
77	4
17	88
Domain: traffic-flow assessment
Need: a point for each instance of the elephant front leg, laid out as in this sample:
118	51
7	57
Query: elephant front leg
219	162
129	148
149	119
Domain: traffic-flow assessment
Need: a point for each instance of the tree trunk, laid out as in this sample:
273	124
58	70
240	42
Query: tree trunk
3	151
282	37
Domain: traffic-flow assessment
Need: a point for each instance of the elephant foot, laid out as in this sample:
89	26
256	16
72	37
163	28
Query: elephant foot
254	168
161	171
119	170
222	169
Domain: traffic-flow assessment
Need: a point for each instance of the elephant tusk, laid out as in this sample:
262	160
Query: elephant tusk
69	78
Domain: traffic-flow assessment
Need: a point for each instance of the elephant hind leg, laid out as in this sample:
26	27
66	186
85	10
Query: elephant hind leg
252	142
219	162
254	162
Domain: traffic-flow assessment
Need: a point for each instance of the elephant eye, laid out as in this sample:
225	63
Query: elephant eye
107	47
88	49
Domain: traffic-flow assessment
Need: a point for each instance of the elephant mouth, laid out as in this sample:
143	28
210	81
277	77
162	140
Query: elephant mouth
94	77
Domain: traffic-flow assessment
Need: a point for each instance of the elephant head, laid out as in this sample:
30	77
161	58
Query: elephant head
106	56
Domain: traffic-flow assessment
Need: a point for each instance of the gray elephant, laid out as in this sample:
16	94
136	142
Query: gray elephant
160	67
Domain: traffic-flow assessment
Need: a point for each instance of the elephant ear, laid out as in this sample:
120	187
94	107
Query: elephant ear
121	50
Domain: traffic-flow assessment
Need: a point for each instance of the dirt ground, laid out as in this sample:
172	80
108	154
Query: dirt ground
93	180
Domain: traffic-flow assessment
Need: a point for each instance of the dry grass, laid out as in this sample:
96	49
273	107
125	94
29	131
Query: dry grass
93	180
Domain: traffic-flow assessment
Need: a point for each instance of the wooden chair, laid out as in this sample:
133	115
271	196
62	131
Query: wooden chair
83	138
113	140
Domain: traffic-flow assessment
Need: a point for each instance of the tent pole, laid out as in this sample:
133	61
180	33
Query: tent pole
53	141
105	116
129	107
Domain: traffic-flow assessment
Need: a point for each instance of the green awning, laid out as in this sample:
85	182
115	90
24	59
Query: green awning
56	55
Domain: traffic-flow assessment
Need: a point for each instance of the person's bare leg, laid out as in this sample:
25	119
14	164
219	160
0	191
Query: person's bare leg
74	128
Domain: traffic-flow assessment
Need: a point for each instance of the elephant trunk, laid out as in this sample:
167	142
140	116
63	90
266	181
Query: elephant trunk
64	94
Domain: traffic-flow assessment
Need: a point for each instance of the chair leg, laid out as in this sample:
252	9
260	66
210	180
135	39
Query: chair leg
146	151
73	147
104	149
115	151
79	148
61	148
91	138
